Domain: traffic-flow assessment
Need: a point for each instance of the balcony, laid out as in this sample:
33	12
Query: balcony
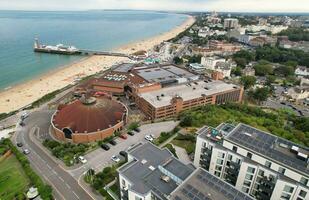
265	188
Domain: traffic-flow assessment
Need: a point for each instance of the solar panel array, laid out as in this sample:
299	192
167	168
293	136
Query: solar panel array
264	143
211	183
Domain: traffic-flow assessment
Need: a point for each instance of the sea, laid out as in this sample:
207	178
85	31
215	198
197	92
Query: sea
94	30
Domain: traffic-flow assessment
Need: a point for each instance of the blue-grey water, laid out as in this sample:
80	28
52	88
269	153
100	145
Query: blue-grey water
98	30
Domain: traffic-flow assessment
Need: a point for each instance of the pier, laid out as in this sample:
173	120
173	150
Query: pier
102	53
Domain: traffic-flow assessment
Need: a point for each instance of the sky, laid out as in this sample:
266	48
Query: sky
168	5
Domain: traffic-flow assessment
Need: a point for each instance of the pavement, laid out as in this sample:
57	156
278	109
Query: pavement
182	154
64	185
67	183
99	158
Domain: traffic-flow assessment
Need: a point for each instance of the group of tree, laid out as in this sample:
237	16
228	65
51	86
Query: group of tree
296	34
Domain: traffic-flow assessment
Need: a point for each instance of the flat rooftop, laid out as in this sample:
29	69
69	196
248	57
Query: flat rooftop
271	146
189	91
201	185
146	171
163	74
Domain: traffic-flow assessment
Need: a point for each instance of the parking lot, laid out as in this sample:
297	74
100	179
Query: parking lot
99	158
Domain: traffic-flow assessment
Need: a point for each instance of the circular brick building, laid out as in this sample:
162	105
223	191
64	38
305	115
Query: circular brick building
88	120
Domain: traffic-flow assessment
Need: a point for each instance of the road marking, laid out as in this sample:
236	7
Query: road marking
54	172
49	166
68	186
75	194
61	178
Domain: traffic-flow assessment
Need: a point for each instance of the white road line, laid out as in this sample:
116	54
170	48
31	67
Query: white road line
75	194
54	172
61	178
68	186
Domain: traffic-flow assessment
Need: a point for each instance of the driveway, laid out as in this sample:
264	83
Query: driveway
100	158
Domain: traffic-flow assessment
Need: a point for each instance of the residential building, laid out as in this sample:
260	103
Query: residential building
211	62
302	71
169	101
197	67
230	23
262	165
224	46
153	173
298	93
225	68
248	71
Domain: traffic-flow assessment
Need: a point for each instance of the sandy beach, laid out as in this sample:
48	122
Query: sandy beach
26	93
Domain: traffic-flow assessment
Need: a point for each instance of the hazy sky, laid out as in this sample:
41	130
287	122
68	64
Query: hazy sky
182	5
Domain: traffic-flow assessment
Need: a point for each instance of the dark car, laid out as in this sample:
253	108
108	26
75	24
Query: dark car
123	153
113	142
105	147
130	133
137	129
19	144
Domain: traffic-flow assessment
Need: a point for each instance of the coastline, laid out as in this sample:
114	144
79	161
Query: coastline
25	93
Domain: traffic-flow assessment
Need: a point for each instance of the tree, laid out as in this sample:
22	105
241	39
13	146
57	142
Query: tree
248	81
263	69
236	71
270	79
243	57
177	60
284	70
259	94
186	121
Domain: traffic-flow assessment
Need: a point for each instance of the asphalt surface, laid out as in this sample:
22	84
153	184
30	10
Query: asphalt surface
64	185
99	158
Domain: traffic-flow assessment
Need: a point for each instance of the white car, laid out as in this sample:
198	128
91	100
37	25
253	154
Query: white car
148	138
82	159
26	151
115	158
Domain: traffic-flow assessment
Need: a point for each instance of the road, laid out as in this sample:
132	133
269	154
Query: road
276	104
100	158
64	181
64	185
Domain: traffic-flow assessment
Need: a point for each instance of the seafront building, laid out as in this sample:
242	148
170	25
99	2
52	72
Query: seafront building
153	173
258	163
162	91
230	23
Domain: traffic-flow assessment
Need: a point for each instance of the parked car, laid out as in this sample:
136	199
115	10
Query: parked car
82	159
137	129
105	147
148	138
130	133
123	153
19	144
115	158
24	116
112	142
26	151
123	136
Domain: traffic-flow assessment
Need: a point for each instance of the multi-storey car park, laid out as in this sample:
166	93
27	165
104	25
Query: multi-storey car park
258	163
154	173
162	91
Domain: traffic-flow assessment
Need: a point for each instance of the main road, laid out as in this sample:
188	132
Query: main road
64	185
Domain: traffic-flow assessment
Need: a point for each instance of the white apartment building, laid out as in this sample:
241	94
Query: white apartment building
211	62
152	173
230	23
260	164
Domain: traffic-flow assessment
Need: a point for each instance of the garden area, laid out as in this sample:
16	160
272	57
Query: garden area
13	180
186	142
99	180
16	176
67	152
278	122
164	136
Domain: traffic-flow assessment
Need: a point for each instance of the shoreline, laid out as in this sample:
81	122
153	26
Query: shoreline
22	94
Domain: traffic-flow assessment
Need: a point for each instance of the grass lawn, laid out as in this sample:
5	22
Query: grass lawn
13	180
188	145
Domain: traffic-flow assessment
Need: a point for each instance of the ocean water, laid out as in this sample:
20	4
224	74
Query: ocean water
97	30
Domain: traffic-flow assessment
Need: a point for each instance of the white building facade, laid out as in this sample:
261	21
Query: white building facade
273	169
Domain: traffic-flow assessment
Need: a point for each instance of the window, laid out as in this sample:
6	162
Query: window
304	181
302	193
217	173
268	164
235	148
281	170
237	160
249	177
123	183
218	167
247	183
261	173
138	198
249	155
219	161
251	170
229	157
288	189
285	196
245	190
221	155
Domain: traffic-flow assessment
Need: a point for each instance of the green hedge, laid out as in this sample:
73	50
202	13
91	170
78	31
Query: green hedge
44	190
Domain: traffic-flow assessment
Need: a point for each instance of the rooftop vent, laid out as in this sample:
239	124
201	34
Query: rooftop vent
144	161
248	134
283	145
151	168
166	179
